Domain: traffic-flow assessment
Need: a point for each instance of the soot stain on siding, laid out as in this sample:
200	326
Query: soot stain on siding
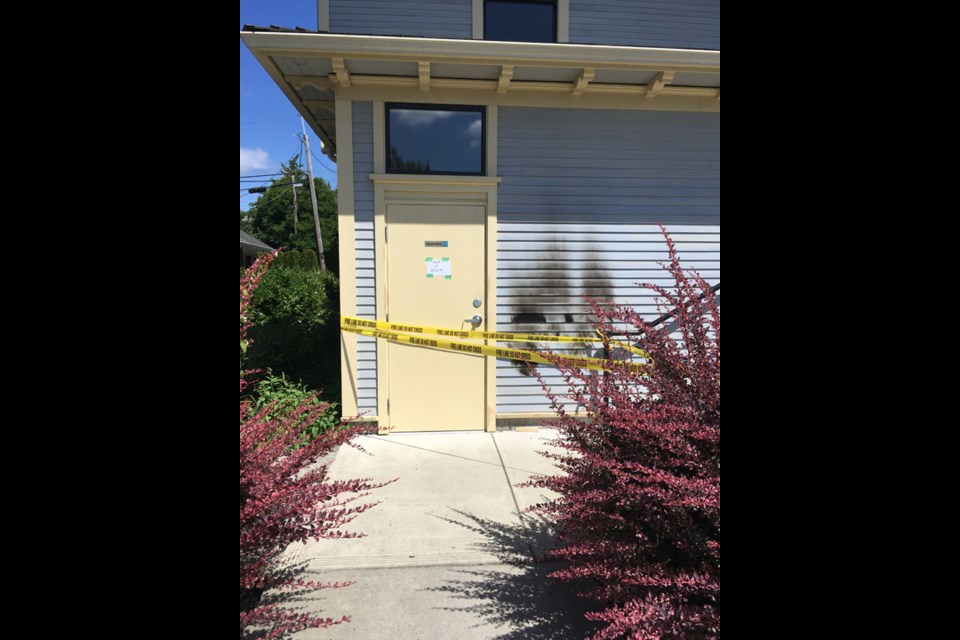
555	295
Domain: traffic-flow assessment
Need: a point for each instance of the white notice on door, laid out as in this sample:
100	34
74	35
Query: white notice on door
439	268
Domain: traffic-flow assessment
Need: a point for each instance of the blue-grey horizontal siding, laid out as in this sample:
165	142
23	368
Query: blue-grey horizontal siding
675	24
418	18
366	282
581	196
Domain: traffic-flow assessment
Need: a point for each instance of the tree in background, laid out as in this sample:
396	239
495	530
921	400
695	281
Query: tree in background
296	318
639	505
271	216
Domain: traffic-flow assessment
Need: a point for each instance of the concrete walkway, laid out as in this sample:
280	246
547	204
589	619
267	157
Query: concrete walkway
447	553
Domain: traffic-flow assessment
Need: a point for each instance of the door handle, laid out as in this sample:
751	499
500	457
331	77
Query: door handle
475	319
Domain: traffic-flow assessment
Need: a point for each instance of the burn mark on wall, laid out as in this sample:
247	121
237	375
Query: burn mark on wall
529	318
597	285
552	298
597	282
537	299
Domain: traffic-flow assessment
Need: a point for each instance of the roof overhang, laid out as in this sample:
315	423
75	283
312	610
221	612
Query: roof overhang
313	68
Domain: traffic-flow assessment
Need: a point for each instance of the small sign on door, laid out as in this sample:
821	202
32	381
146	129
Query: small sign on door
439	268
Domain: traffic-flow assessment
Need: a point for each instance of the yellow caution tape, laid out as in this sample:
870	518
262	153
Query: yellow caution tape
623	345
523	355
496	336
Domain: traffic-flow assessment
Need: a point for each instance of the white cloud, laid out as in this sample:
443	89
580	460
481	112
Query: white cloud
254	160
417	118
473	133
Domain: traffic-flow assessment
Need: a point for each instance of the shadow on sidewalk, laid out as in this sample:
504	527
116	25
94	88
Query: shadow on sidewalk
294	599
520	598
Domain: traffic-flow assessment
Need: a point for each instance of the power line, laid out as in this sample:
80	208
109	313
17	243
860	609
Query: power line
333	171
263	175
263	204
323	164
299	148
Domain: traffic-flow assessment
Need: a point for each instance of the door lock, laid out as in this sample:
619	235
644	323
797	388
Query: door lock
477	303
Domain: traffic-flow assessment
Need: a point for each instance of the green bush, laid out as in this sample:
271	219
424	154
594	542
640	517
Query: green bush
287	259
287	396
305	260
295	330
309	260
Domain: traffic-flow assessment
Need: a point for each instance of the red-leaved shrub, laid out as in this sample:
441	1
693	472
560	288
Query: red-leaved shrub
284	497
639	505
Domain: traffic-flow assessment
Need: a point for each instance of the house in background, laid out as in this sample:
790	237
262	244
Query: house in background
250	248
532	146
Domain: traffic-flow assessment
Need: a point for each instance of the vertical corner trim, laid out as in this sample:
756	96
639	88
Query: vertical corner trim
323	15
478	19
563	21
346	233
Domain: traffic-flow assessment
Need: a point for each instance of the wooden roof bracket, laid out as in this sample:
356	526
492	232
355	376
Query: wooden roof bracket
583	82
423	70
506	77
342	74
659	82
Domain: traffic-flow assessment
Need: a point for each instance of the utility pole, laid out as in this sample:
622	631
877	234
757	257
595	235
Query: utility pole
313	197
295	220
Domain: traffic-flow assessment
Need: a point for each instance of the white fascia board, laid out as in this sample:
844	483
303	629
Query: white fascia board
482	51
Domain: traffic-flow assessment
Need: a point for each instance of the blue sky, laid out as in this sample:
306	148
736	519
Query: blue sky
268	122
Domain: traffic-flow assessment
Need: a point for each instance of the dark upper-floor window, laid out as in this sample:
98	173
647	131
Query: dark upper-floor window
436	139
520	20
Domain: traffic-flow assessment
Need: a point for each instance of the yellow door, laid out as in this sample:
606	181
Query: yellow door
435	271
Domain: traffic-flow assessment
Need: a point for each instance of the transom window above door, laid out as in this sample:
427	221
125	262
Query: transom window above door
436	139
520	20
